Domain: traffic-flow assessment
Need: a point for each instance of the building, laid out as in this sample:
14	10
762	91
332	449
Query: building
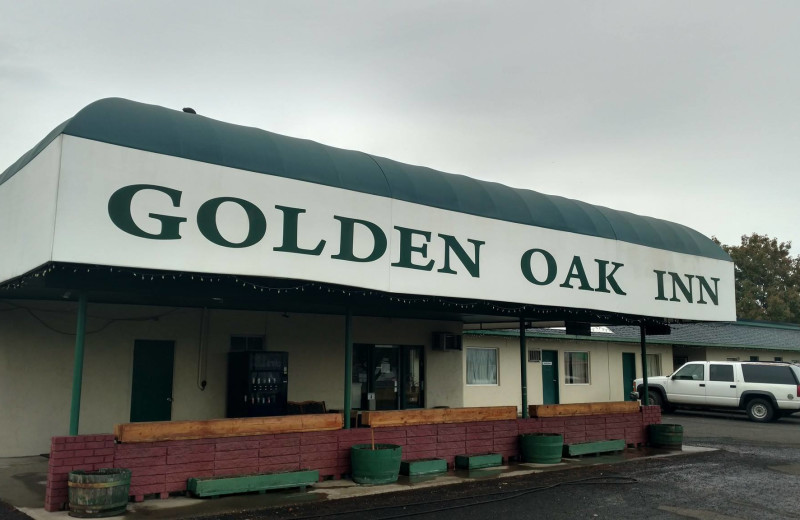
567	368
144	247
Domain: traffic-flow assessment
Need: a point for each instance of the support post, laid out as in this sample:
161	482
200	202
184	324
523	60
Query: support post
645	397
523	364
77	367
348	365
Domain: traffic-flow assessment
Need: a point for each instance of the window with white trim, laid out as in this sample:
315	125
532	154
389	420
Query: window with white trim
482	366
576	368
653	365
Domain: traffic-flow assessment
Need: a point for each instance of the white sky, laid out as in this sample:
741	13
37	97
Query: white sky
686	111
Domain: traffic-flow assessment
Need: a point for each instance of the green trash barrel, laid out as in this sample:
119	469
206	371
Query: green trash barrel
378	466
541	448
100	493
668	436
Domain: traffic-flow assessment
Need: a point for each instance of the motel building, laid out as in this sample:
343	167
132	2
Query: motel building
168	281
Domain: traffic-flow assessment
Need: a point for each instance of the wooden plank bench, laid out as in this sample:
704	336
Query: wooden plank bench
593	448
571	410
437	416
216	486
212	428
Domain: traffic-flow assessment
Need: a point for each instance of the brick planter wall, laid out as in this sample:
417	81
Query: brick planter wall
161	468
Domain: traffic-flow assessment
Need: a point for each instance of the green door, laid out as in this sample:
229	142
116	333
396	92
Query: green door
549	377
628	374
151	391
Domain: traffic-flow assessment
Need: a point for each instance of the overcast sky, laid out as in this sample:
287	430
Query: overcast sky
685	111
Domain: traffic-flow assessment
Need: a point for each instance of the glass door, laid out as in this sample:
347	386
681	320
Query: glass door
386	375
412	378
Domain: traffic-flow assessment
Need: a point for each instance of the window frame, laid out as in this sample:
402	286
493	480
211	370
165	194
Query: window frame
496	366
588	367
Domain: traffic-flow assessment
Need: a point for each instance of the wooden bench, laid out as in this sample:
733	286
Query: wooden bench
437	416
593	448
216	486
182	430
571	410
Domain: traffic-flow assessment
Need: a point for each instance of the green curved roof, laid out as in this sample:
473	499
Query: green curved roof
190	136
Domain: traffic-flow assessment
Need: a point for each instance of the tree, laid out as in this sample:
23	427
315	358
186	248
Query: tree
767	279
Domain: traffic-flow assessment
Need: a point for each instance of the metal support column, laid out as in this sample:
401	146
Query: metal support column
523	367
77	367
348	365
645	397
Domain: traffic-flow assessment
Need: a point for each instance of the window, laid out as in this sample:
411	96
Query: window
732	359
576	365
753	358
775	374
653	365
778	358
690	373
239	343
481	366
720	372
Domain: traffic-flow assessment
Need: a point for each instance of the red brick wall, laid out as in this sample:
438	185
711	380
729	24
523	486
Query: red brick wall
163	467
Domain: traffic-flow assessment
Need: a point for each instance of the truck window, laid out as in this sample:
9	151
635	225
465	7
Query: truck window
775	375
720	372
690	373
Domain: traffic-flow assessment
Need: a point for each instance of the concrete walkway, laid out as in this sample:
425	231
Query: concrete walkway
23	479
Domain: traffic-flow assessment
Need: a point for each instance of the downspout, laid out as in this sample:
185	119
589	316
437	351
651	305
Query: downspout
202	351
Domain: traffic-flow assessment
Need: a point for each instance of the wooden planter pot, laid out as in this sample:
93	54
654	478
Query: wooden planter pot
541	448
378	466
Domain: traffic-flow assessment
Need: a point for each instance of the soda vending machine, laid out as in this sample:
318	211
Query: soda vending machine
258	383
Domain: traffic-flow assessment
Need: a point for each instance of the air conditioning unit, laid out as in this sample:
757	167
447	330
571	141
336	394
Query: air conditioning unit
446	341
534	356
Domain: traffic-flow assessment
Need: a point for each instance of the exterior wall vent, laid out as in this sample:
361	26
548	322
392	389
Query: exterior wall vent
534	356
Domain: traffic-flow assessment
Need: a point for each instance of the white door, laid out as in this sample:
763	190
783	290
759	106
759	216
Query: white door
721	387
688	385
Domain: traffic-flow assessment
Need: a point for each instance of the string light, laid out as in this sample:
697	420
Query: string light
524	311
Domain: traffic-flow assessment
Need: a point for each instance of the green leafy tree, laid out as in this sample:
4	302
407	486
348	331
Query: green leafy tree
767	279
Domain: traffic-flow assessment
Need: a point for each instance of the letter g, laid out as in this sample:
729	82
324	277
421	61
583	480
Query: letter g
119	209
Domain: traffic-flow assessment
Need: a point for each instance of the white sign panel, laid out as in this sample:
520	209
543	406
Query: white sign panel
124	207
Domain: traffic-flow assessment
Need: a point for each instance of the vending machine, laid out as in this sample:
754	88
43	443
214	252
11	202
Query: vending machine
258	383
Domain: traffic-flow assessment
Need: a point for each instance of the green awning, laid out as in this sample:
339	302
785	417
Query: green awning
175	133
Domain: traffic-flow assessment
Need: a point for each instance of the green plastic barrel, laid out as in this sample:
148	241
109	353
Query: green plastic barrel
100	493
668	436
378	466
541	448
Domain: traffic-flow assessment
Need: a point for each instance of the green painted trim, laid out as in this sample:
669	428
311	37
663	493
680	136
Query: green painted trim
348	366
487	460
190	136
77	366
586	448
415	468
214	486
523	366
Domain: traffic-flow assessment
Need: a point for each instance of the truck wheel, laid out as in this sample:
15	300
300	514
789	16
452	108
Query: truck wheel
655	399
760	410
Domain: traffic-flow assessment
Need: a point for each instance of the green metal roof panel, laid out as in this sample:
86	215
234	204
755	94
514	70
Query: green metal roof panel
159	130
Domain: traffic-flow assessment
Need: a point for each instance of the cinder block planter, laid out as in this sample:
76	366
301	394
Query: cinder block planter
486	460
414	468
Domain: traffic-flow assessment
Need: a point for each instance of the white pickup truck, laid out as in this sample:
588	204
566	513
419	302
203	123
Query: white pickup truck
766	390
